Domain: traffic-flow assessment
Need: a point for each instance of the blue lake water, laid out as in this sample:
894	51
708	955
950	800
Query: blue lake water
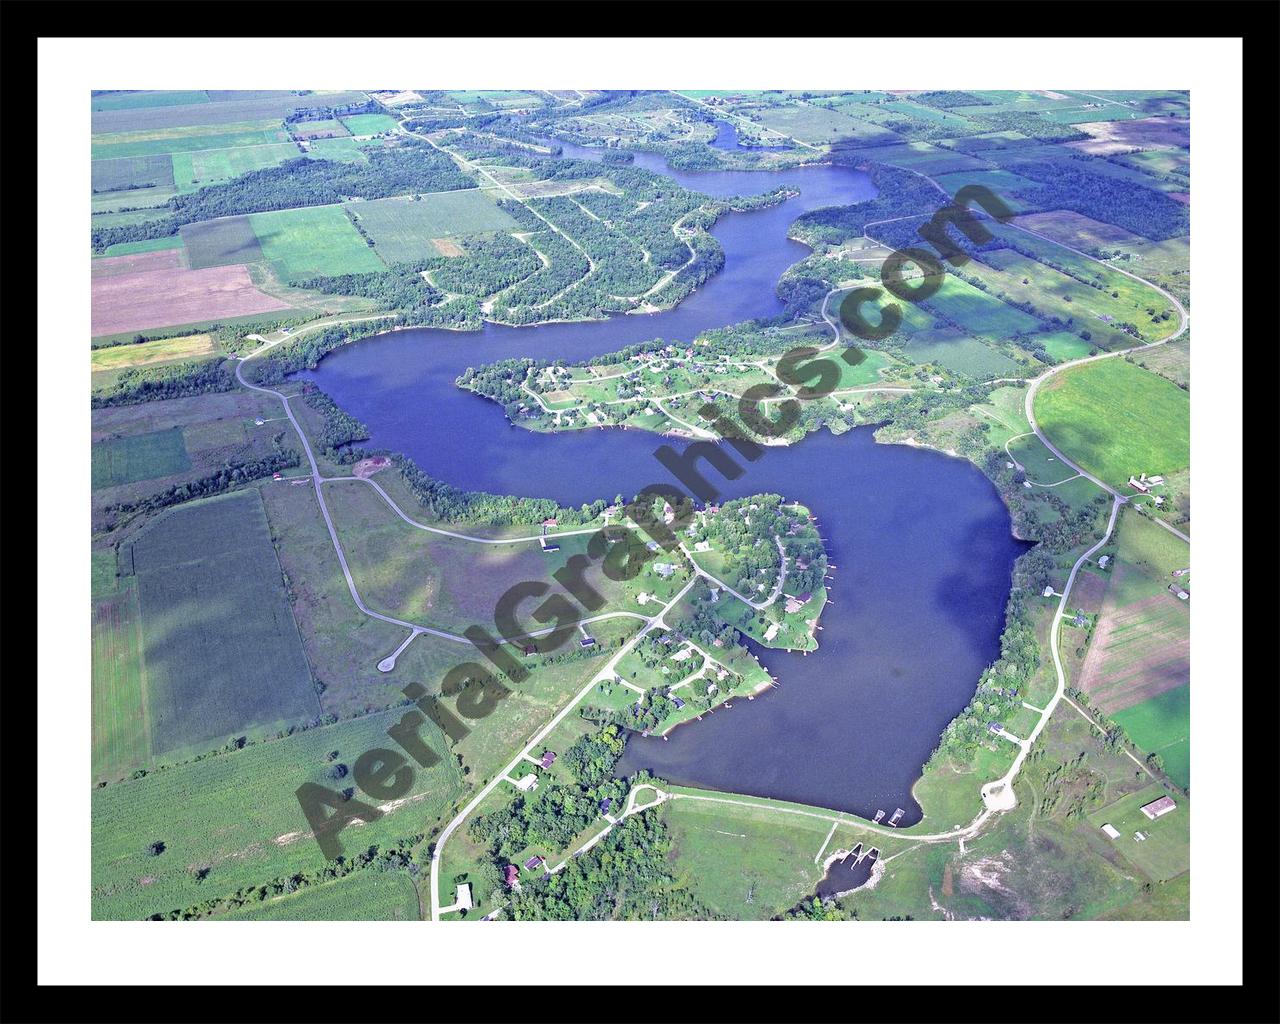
922	542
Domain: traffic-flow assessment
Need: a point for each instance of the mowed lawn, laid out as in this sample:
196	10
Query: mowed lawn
403	229
1166	852
222	649
1117	420
319	241
124	460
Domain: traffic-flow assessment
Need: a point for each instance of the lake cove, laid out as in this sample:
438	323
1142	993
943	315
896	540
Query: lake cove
922	541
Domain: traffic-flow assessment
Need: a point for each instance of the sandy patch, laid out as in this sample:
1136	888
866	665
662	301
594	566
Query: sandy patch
367	467
447	247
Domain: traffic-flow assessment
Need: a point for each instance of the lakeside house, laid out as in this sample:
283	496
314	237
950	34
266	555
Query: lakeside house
794	604
1159	807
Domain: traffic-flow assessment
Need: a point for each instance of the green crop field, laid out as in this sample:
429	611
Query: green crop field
221	646
192	171
344	150
955	351
1162	725
1117	420
237	815
369	124
124	460
922	157
219	243
368	895
403	229
315	241
149	245
978	313
121	740
1064	345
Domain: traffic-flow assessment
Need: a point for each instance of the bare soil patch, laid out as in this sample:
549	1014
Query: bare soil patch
1125	136
167	297
367	467
447	247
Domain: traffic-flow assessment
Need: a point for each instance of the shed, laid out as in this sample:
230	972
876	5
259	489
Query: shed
1111	831
1161	806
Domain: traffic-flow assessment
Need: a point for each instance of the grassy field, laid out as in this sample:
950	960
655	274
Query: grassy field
237	815
116	357
316	241
1162	725
368	895
369	124
1166	853
749	863
194	170
1117	420
343	149
403	229
124	460
954	350
817	125
222	242
212	596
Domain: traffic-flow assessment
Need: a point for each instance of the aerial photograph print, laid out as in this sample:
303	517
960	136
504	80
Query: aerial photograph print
638	504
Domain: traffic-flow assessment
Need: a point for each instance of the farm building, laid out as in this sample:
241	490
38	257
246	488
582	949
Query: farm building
1111	831
1158	808
1139	485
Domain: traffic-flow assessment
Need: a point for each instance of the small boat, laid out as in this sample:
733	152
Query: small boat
879	816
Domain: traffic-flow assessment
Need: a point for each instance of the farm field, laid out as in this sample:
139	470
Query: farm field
212	597
237	815
343	149
146	245
960	353
131	173
818	125
121	735
134	100
162	350
174	297
1162	725
192	171
922	157
977	312
219	243
124	460
223	107
315	241
402	230
167	142
1116	420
